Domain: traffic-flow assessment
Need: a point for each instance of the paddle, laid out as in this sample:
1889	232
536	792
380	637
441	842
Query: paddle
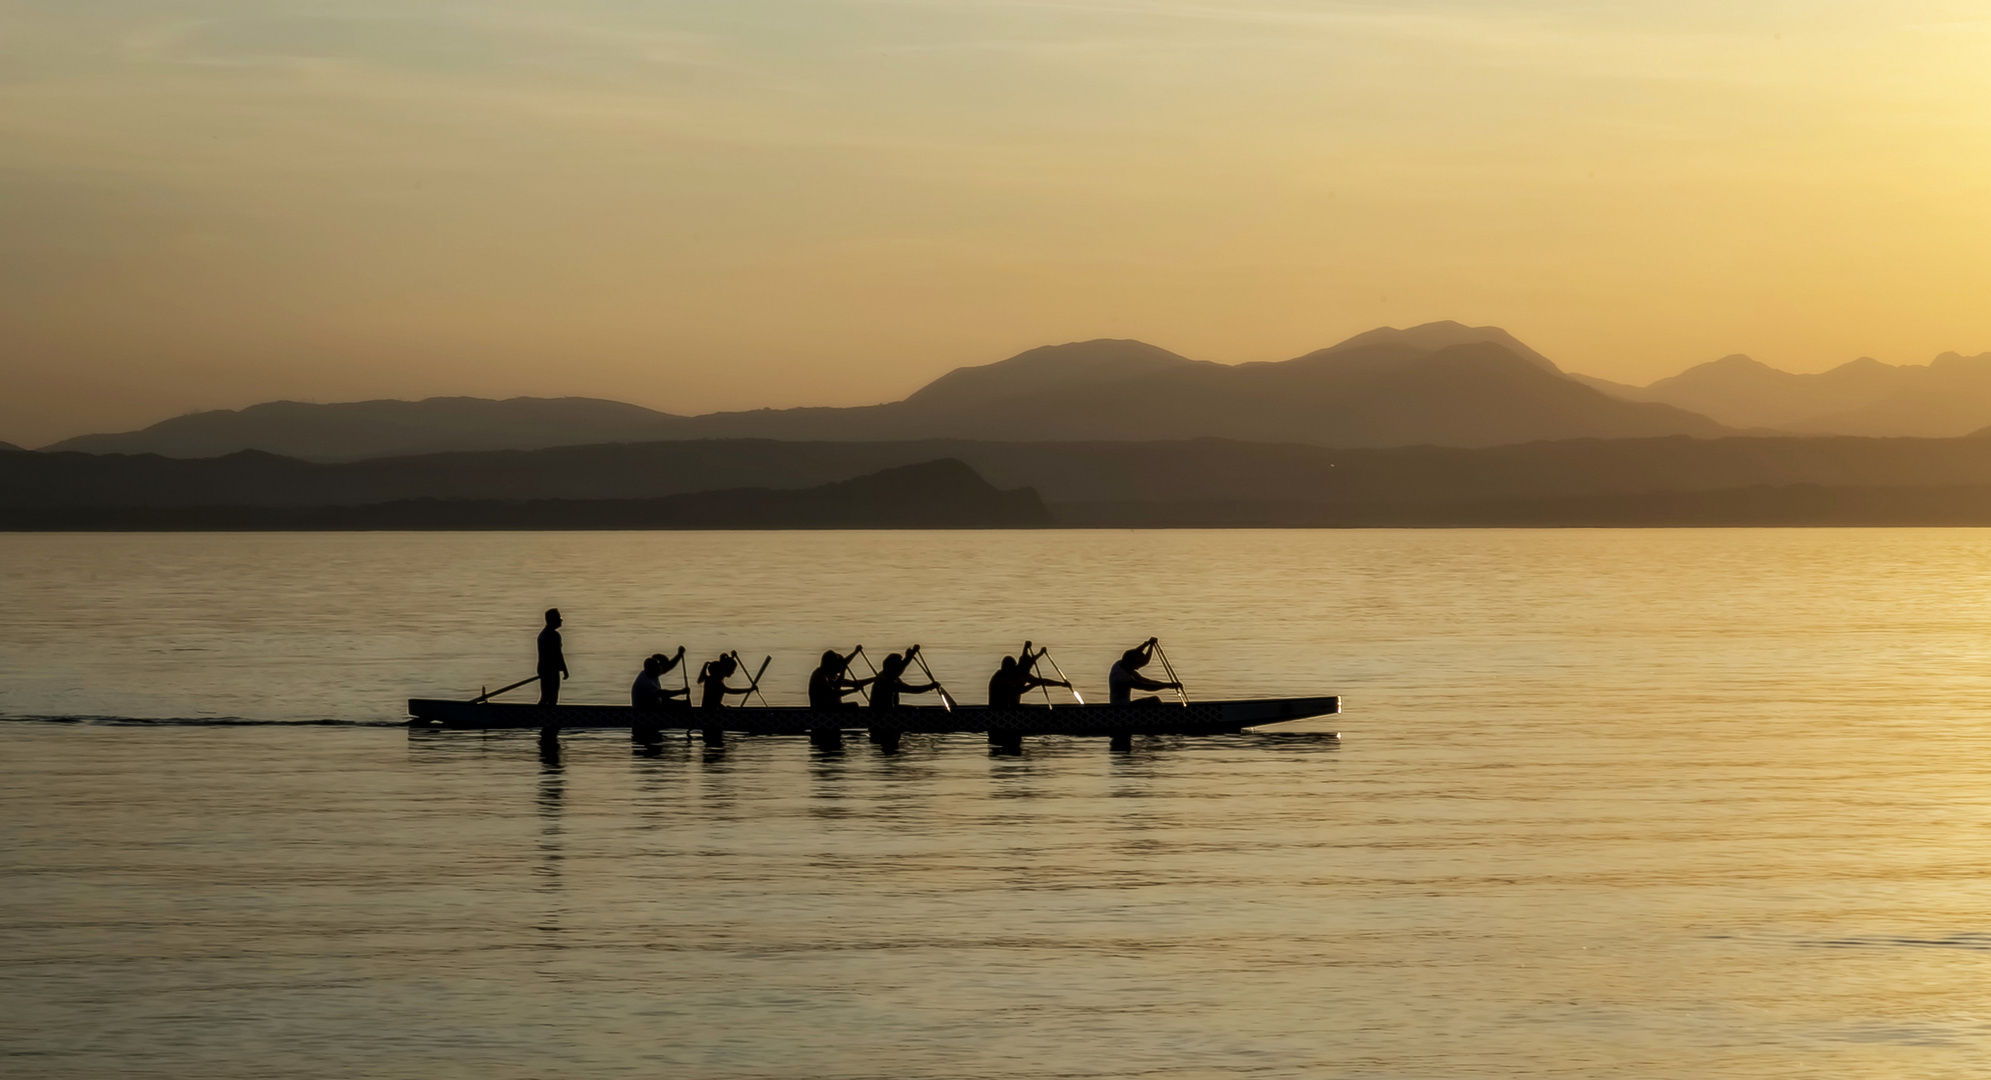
1032	666
946	699
1046	654
753	684
1166	666
854	654
489	694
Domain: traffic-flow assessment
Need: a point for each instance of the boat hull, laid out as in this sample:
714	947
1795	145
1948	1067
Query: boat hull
1163	718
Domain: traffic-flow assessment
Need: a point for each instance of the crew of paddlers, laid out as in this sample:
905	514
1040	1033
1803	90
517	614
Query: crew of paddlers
833	680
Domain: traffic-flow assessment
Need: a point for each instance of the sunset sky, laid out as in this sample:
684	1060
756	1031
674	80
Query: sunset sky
697	205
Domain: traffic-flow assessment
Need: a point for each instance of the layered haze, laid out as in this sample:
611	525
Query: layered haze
704	206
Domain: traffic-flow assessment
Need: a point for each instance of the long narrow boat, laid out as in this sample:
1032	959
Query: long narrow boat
1004	725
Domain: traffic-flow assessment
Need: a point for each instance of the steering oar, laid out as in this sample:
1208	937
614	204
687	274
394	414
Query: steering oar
489	694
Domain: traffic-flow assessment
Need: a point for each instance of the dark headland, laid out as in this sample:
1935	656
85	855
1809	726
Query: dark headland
944	494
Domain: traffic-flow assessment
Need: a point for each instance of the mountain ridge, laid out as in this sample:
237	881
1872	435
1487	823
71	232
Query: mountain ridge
1948	397
1442	383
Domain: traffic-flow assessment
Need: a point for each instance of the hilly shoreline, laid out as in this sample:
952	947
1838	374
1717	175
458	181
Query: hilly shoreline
1181	483
941	494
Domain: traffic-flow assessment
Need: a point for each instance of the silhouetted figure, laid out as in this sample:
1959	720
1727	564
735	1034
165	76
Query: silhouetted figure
885	690
1126	677
552	662
1016	678
830	683
712	678
648	694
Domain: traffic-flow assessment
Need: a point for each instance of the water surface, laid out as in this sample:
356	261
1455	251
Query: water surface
1666	803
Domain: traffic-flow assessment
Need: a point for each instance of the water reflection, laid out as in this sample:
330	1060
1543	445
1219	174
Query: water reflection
550	803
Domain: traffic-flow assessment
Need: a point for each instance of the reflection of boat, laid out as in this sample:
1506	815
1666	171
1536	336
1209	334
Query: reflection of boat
1119	721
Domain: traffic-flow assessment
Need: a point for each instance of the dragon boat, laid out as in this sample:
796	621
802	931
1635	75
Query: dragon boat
1004	726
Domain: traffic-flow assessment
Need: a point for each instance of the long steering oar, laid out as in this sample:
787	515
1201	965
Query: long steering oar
1061	678
946	699
1170	668
489	694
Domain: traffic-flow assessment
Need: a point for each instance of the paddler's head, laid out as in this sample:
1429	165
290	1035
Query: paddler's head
553	616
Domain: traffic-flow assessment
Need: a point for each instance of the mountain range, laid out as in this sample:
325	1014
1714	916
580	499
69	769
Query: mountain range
1441	384
1948	397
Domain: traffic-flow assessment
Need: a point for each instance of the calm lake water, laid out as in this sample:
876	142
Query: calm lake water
1628	803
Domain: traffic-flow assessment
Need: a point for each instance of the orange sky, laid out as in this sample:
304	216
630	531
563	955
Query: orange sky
733	203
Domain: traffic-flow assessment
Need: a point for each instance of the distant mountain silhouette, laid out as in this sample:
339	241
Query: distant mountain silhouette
7	447
363	429
1049	369
1431	337
942	494
1441	383
1946	398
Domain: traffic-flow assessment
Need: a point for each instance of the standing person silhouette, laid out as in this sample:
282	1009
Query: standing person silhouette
1126	677
552	662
